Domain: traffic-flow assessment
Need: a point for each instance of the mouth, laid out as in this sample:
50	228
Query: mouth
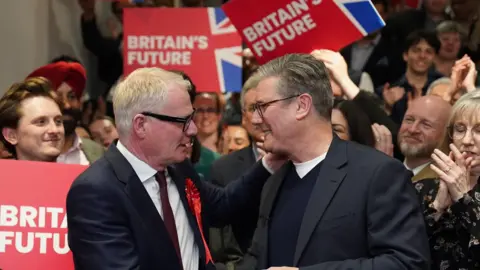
187	145
469	153
411	139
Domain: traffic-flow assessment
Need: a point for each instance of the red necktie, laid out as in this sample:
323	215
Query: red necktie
168	218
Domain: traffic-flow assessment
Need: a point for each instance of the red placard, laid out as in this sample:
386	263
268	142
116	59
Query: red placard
274	28
33	225
199	41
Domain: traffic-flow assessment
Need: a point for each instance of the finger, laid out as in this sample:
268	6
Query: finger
441	162
376	134
390	150
386	133
441	174
458	157
386	86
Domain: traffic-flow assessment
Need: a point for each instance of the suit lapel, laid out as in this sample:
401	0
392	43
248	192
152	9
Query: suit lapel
329	179
140	199
179	179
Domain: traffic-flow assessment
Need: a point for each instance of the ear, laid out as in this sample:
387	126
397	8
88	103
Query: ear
304	105
244	120
139	125
405	56
10	135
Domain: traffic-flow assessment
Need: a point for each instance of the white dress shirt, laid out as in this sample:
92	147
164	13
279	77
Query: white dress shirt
74	155
417	169
186	239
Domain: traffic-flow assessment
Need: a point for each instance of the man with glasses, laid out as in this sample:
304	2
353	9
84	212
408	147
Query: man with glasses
337	204
142	206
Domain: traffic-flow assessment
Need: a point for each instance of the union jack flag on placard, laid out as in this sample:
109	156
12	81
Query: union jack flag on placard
202	42
307	24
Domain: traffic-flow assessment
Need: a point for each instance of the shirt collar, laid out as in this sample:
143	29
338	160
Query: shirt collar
142	169
77	145
417	169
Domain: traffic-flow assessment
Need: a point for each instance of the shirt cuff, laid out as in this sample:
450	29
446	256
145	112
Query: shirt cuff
265	165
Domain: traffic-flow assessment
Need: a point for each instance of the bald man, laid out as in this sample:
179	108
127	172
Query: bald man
423	129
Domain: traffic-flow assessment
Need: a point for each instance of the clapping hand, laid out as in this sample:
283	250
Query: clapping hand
453	170
383	139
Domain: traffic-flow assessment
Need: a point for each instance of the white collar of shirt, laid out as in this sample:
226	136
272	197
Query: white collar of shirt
305	167
77	145
142	169
417	169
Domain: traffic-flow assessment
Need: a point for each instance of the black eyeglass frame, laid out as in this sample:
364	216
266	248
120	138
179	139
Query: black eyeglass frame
261	107
172	119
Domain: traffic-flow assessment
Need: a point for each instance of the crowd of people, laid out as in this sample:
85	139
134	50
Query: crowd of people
359	159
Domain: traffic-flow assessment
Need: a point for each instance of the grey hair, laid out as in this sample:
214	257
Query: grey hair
443	80
249	84
145	89
452	27
467	105
301	74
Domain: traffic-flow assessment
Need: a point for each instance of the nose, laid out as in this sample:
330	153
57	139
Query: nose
468	138
54	128
66	104
413	128
192	129
256	118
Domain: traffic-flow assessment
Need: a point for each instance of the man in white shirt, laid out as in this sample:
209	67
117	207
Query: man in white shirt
138	206
423	129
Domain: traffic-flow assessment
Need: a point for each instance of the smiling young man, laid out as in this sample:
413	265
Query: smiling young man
421	48
31	121
68	79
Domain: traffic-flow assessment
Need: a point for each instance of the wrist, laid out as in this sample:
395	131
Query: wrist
437	206
349	88
470	88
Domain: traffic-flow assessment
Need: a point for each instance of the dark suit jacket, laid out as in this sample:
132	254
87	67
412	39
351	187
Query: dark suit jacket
230	243
107	51
362	214
380	63
113	223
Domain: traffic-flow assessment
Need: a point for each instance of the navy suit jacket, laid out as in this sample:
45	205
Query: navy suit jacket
363	214
113	223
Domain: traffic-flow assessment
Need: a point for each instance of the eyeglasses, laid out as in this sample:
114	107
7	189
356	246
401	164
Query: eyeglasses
458	132
184	120
261	107
206	110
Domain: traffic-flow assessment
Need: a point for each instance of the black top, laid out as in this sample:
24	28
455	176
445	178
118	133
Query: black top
454	238
287	216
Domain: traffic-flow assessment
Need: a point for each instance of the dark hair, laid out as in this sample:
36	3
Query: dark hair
65	58
422	35
192	91
358	122
385	4
196	151
104	117
10	103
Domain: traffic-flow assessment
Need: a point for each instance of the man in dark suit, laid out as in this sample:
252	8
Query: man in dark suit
337	205
230	243
142	206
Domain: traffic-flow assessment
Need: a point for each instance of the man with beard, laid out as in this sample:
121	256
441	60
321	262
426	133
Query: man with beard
68	78
423	129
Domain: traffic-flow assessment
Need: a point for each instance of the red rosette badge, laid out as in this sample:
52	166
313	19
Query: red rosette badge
193	198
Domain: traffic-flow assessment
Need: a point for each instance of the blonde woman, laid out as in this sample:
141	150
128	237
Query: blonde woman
451	202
